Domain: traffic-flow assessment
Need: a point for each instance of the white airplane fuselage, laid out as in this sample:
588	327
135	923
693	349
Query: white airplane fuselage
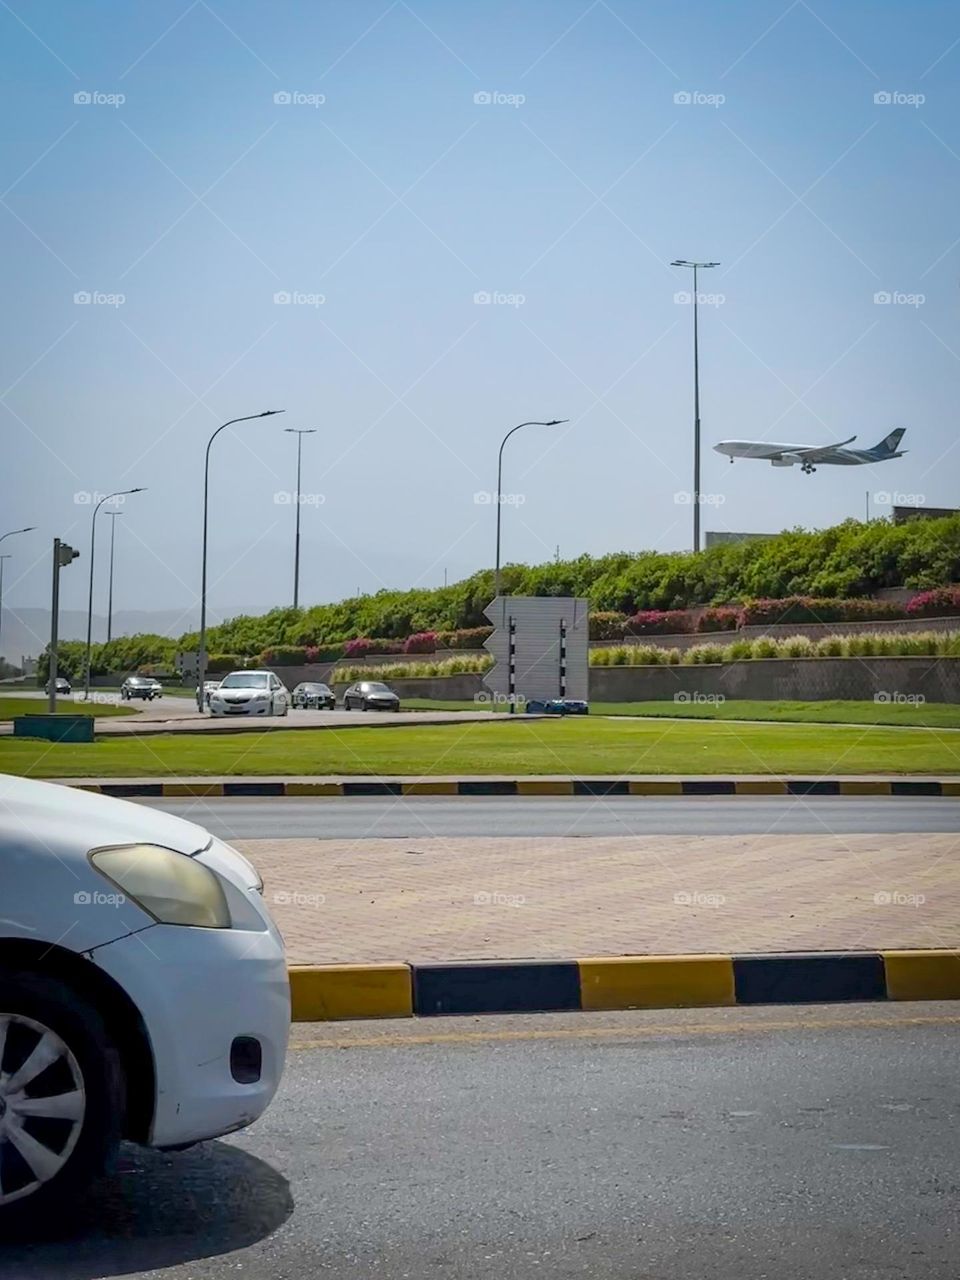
806	456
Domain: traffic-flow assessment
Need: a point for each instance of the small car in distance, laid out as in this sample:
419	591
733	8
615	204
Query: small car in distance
62	683
370	695
312	694
250	693
143	990
208	688
144	687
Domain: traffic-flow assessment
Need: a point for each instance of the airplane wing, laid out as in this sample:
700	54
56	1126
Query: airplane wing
820	451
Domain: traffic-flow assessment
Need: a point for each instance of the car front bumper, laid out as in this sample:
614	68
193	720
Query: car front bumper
197	991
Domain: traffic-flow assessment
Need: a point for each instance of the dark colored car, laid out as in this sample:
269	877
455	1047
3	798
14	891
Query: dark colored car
559	707
311	694
370	695
144	687
63	685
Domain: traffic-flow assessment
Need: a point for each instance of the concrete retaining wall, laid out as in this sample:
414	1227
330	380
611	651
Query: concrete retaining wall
795	679
815	630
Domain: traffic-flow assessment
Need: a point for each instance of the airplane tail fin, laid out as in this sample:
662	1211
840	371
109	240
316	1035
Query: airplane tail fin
889	444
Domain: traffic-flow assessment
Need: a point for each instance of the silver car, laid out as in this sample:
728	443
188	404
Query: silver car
144	687
370	695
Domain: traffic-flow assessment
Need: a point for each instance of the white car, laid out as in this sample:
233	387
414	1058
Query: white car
143	989
250	693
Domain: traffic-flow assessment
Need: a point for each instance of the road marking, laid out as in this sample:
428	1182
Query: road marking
665	1030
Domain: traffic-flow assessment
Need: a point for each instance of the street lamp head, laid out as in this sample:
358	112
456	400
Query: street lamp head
269	413
682	262
301	431
556	422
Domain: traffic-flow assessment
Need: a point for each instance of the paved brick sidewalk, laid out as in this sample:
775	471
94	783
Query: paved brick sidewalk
444	899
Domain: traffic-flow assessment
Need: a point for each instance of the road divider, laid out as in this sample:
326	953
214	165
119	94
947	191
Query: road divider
530	786
324	993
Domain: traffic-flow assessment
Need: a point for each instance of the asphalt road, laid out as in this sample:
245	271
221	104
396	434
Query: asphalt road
564	816
740	1144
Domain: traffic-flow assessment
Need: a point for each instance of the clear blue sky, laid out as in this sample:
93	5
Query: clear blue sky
398	199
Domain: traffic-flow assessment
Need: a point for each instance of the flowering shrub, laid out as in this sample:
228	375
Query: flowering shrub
607	625
939	603
818	609
722	619
422	642
465	638
284	655
659	622
365	647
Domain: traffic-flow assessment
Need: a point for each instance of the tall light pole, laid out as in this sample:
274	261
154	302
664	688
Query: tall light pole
29	529
2	558
554	422
299	432
202	652
696	266
120	493
113	529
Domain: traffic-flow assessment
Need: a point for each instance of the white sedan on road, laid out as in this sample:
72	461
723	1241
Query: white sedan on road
143	989
250	693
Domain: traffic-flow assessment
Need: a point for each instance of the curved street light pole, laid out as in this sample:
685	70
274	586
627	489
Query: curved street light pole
202	650
554	422
120	493
682	262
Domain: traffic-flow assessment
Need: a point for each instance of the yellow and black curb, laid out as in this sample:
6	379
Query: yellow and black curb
593	787
322	993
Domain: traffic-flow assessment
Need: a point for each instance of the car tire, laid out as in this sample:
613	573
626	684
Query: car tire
72	1141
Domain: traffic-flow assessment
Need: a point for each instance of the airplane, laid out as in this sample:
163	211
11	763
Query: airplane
786	455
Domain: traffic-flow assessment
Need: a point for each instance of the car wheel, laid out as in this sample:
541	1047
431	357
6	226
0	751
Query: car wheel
61	1096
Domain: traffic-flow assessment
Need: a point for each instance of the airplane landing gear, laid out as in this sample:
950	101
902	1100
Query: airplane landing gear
808	468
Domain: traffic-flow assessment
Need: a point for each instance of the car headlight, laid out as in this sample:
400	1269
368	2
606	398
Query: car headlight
172	887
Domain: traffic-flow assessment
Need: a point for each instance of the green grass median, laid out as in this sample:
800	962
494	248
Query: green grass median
579	747
10	707
942	715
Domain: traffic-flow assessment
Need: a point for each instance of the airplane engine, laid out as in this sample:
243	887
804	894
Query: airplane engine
787	460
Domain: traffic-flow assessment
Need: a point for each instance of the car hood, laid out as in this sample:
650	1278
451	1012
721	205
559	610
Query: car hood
66	821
